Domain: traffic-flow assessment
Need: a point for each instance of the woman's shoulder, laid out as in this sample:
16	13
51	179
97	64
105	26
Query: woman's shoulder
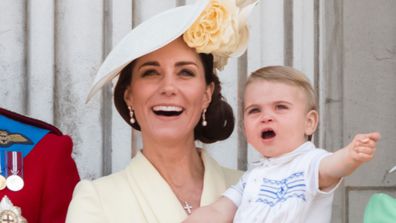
112	182
101	199
105	188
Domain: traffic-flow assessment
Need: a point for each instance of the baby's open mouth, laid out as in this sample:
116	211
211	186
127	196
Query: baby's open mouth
268	134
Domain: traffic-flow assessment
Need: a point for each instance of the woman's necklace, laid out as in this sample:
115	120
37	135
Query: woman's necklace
187	207
185	204
193	193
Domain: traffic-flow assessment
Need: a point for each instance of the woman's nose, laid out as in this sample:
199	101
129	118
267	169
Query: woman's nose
168	85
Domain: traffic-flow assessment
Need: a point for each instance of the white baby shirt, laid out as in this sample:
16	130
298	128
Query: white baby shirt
283	189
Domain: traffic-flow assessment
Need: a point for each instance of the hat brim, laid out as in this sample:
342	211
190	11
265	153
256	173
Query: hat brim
147	37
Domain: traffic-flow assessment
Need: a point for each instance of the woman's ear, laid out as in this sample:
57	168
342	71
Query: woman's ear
208	94
311	122
128	98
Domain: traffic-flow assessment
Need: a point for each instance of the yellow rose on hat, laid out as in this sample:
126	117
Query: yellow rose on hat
212	28
220	30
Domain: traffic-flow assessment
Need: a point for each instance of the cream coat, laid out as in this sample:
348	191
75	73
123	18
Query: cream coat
139	194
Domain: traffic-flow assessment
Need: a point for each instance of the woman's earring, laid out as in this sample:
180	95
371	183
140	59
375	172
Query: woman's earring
204	122
132	120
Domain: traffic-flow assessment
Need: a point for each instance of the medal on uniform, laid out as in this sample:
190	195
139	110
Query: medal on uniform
14	180
2	182
2	170
10	213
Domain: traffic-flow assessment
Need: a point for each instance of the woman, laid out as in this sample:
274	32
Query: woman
168	89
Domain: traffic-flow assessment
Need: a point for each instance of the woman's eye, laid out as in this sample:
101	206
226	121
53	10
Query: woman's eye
187	73
149	73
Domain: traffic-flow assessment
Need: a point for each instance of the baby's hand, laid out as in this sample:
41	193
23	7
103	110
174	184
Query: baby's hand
363	146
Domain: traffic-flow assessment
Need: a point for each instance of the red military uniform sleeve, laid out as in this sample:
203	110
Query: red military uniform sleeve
60	178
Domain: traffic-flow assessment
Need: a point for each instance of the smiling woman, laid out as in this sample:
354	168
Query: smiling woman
188	67
169	90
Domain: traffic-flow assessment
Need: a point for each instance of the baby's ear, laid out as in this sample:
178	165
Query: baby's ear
311	122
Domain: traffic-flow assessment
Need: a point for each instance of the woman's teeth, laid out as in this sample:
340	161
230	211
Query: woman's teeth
167	110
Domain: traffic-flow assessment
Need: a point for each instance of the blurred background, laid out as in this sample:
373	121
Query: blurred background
50	51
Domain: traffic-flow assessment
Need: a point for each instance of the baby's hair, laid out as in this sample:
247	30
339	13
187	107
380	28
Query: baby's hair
287	75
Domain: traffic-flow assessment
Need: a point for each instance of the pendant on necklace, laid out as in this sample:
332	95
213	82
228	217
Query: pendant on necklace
187	207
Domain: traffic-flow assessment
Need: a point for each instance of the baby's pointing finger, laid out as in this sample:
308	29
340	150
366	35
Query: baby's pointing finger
367	138
366	142
373	136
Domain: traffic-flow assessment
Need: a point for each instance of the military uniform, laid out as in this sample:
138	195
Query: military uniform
38	156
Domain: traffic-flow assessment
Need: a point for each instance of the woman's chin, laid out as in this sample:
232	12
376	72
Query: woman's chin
170	134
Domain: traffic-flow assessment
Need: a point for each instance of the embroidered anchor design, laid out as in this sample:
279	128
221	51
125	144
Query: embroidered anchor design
273	192
8	139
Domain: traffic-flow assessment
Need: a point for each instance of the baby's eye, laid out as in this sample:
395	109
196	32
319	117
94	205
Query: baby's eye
253	110
281	107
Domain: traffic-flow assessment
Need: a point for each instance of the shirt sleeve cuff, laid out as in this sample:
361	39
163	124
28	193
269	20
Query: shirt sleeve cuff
234	195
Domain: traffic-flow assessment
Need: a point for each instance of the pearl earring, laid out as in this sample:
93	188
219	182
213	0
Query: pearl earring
204	122
132	120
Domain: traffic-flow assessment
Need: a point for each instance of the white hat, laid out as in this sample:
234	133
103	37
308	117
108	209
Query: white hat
167	26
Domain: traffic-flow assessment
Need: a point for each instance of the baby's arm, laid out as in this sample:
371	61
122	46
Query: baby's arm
222	210
344	161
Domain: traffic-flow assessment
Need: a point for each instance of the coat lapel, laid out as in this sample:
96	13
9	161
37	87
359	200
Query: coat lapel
158	202
156	198
214	180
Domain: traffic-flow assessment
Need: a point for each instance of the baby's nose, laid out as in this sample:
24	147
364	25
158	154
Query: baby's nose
266	117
